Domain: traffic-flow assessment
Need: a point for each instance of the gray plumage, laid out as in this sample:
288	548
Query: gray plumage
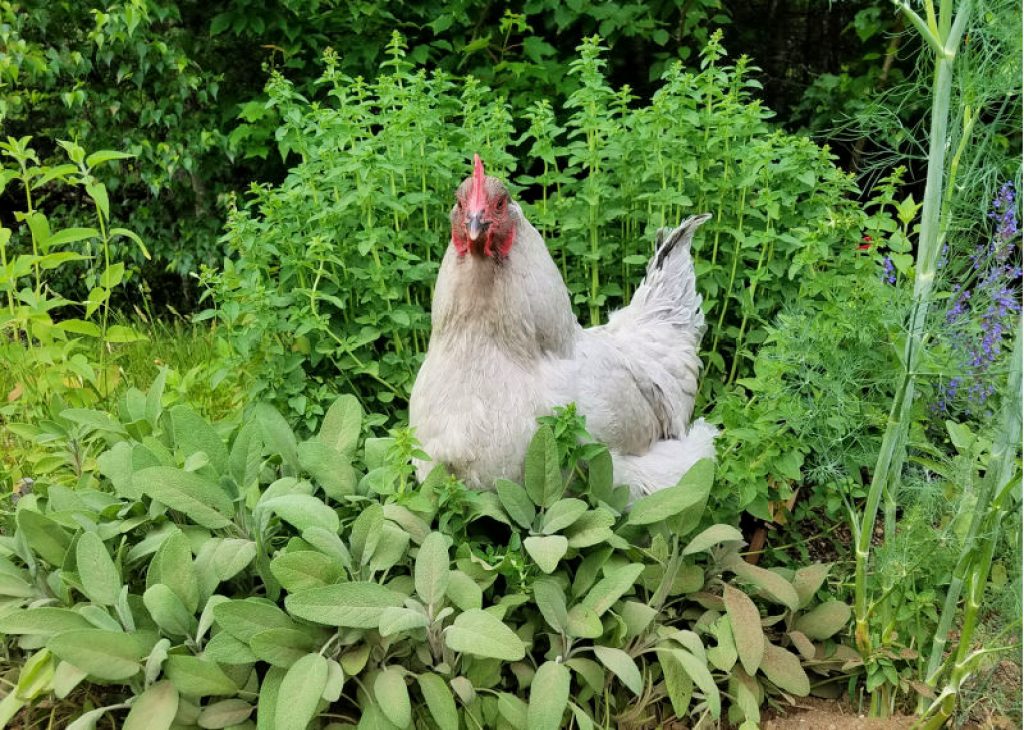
506	348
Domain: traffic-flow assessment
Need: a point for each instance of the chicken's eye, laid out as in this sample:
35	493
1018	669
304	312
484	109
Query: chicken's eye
500	205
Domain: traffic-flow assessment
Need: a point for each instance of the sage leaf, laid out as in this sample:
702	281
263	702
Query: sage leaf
439	700
393	696
154	709
622	666
301	688
745	620
356	605
100	580
549	697
481	634
546	551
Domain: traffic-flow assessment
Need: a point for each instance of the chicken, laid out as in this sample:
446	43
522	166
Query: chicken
506	348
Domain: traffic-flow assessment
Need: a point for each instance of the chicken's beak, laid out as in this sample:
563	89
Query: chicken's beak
476	225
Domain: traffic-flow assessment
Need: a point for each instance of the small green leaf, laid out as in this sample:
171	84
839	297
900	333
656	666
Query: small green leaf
516	501
168	611
198	677
698	672
281	647
356	605
101	654
463	591
562	514
550	600
784	671
808	580
543	475
713	536
341	425
303	511
772	585
224	714
154	709
304	569
824	621
481	634
612	587
546	551
549	697
745	620
692	489
243	619
277	434
202	500
393	696
395	620
439	701
302	687
42	621
432	570
583	623
622	666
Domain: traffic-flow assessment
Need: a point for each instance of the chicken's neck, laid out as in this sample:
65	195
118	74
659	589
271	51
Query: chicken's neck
518	304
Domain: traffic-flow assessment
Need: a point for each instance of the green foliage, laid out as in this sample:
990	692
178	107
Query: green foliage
204	573
331	271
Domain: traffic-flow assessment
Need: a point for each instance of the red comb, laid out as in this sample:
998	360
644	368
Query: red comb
477	195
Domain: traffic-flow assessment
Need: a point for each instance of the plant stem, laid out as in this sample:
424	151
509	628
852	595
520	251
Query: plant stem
889	464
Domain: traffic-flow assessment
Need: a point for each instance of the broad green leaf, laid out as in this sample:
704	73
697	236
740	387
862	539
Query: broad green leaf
546	551
549	696
69	235
463	591
198	677
172	565
203	501
550	600
590	529
393	696
118	231
724	655
270	690
223	714
356	605
439	700
516	501
678	684
245	618
698	672
303	511
231	556
616	583
637	617
408	521
277	434
85	721
691	489
98	158
784	670
591	672
341	425
772	585
42	621
154	709
543	475
562	514
394	620
432	569
583	622
329	544
304	569
168	611
101	654
481	634
335	682
824	621
332	470
712	536
391	548
281	647
365	534
100	579
745	620
513	710
192	434
301	688
224	648
808	580
622	666
46	538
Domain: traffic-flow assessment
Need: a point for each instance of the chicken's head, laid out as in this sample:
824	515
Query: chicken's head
482	219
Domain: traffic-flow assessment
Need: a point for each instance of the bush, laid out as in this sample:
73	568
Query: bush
331	272
203	572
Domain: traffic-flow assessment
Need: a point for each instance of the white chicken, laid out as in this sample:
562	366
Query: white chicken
506	348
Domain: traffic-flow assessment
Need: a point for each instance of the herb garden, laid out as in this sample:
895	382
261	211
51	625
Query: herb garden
223	236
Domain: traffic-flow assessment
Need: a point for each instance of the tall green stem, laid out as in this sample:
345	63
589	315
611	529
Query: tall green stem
888	466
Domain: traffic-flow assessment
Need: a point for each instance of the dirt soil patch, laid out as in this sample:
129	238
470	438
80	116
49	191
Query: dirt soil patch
816	714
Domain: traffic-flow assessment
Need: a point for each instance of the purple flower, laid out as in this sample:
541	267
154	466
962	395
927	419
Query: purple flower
981	309
888	271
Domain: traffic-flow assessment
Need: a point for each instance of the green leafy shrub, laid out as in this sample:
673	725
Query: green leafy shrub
206	572
332	270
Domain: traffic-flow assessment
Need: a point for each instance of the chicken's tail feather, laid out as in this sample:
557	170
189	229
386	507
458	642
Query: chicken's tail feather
666	461
669	290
